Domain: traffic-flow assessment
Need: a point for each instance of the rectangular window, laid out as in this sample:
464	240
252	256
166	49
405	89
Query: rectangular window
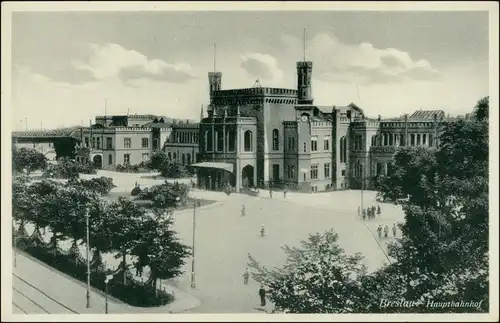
424	139
326	143
327	170
98	143
314	171
127	142
418	139
276	172
86	141
314	144
208	140
93	142
220	140
145	157
145	142
343	172
109	143
126	159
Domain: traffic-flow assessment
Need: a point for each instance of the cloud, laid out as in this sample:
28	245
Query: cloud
113	61
261	66
337	61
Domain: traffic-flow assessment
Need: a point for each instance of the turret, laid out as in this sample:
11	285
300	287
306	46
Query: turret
304	72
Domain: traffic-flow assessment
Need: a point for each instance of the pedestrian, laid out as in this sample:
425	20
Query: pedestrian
270	193
386	231
373	210
394	229
379	231
243	210
284	192
262	294
364	214
369	213
262	231
378	210
359	210
246	275
136	265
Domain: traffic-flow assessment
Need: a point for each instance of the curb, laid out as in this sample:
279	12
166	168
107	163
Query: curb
142	310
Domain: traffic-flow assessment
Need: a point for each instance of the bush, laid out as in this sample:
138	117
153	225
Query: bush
140	168
136	191
165	195
134	293
67	168
101	185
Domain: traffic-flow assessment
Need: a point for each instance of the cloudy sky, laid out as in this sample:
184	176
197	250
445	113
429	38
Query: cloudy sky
66	65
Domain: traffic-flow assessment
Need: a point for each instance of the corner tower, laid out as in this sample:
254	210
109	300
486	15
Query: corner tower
304	72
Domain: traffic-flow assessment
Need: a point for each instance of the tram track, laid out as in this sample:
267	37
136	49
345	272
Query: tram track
35	299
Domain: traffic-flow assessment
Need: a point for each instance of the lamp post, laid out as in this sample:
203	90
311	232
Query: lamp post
193	277
87	217
15	243
106	281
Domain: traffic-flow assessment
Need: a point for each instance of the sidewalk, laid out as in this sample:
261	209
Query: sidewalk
72	293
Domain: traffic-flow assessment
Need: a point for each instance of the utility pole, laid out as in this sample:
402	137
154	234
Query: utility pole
87	216
193	279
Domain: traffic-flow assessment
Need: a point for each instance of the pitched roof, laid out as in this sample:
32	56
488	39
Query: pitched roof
427	114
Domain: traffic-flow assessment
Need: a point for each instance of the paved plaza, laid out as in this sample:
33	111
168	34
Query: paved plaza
224	238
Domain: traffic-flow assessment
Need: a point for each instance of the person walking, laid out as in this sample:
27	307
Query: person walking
386	231
243	210
262	294
246	275
270	193
378	210
374	209
364	214
137	268
284	192
262	231
379	231
359	210
394	230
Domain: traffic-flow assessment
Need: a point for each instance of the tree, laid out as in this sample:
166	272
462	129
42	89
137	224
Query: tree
29	159
443	254
160	248
101	185
124	220
157	160
316	278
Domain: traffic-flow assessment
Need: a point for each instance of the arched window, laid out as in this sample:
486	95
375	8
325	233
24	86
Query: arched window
276	139
412	139
110	159
175	156
343	149
248	140
208	141
402	140
189	159
374	140
183	159
418	139
391	137
386	141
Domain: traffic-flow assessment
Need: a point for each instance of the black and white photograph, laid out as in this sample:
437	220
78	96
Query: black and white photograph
181	159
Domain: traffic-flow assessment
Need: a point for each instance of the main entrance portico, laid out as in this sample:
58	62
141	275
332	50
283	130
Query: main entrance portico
218	175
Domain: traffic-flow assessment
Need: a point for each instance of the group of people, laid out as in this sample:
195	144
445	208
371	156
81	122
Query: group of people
369	212
271	192
386	230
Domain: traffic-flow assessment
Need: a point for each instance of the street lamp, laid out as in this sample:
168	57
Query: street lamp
193	280
15	243
106	281
87	217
